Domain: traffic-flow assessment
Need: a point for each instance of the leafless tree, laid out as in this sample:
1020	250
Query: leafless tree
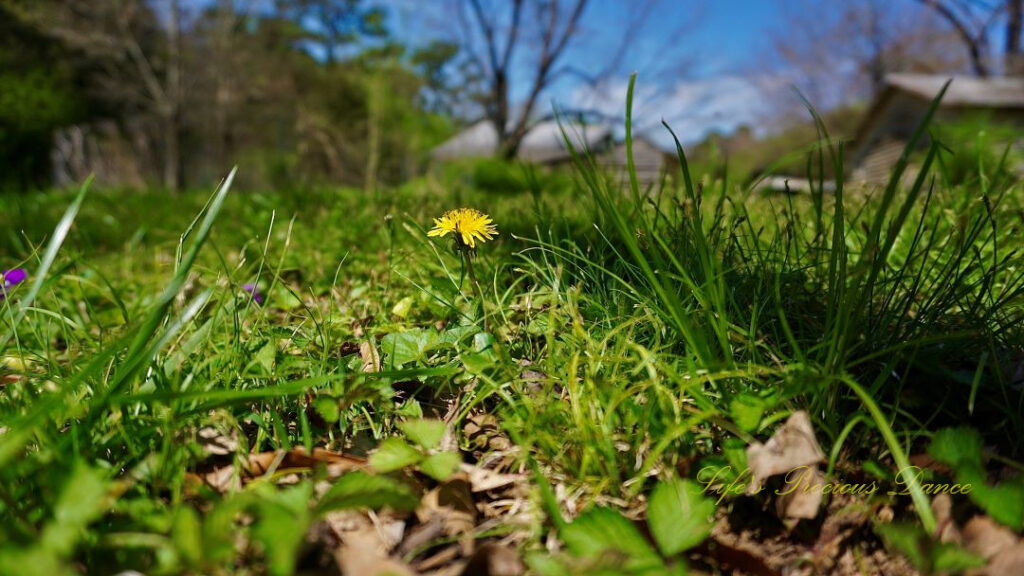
1014	50
974	19
136	49
554	23
532	38
843	55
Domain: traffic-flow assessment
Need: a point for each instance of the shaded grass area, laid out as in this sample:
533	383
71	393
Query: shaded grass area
621	339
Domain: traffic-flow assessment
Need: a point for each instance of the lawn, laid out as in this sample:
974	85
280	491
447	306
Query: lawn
304	381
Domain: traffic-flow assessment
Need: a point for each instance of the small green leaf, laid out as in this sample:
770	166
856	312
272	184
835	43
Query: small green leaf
925	554
362	490
425	432
907	539
539	325
679	516
284	298
394	454
746	411
735	452
283	519
956	447
327	407
547	564
952	558
1004	503
266	356
82	501
482	341
441	466
409	346
601	529
187	535
719	469
219	527
478	362
403	307
410	409
455	335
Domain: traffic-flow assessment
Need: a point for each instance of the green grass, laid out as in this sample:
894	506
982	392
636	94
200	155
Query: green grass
663	333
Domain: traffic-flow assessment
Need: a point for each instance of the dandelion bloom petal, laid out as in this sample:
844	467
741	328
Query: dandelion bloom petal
468	225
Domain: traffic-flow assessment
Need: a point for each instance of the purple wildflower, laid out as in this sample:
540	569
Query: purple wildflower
11	278
255	291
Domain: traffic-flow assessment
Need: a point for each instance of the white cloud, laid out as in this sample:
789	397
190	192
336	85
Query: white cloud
693	108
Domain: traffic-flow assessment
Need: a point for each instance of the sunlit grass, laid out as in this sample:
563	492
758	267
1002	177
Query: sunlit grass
618	338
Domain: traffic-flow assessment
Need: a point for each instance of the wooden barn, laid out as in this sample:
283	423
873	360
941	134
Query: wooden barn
904	101
544	145
649	159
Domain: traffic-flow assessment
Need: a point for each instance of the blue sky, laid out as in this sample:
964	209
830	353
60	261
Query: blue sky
731	32
700	64
703	65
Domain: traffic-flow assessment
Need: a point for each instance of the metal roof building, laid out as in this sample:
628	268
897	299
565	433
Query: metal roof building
543	143
904	101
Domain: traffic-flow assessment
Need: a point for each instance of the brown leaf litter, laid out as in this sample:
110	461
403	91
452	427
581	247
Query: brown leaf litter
794	452
451	533
472	524
277	462
476	522
367	349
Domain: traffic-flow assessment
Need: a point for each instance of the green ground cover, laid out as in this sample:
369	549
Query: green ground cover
619	341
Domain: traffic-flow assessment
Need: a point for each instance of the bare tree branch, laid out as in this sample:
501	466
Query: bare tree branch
976	41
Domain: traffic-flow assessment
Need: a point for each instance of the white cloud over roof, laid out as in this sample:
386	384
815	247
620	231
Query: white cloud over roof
693	108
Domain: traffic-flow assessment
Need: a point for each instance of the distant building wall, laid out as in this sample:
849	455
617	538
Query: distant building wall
113	155
649	161
890	122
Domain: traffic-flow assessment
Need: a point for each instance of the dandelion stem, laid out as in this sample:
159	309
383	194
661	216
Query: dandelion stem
467	258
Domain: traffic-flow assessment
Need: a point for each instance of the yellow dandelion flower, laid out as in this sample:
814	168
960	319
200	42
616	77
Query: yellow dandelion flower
468	225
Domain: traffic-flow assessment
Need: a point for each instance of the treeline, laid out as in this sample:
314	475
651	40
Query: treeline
172	93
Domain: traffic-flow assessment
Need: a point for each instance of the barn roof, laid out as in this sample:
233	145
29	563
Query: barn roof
542	143
963	91
877	136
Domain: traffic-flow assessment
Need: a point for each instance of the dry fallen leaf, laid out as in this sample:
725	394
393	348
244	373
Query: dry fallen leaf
453	502
985	537
800	497
1003	549
792	446
216	443
371	358
946	530
367	349
1008	561
253	466
792	451
364	553
494	560
484	480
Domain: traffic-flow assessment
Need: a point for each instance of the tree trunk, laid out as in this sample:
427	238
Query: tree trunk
374	106
171	109
172	151
977	60
223	85
508	146
500	115
1014	55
